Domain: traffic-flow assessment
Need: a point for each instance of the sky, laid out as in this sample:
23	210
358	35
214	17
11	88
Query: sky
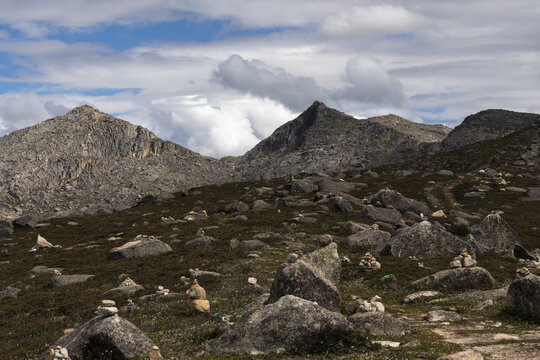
218	76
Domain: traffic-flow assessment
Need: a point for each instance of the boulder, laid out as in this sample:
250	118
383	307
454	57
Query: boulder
43	270
9	292
494	234
261	205
140	246
336	186
64	280
457	279
201	241
313	277
425	240
523	297
252	245
442	315
399	202
391	216
521	253
355	227
378	323
302	187
109	337
124	290
421	296
237	206
371	238
6	228
26	221
289	325
340	204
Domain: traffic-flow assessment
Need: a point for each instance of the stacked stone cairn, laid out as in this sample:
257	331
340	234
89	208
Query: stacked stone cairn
375	305
463	260
127	282
530	267
369	263
107	308
197	299
59	353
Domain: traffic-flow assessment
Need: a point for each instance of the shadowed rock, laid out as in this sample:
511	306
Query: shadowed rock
64	280
457	279
104	338
523	297
494	234
139	247
399	202
313	277
377	239
391	216
6	228
425	240
290	325
377	323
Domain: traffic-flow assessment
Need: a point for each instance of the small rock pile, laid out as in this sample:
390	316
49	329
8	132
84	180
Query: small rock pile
463	260
59	353
107	308
197	299
193	216
375	305
127	282
42	243
369	263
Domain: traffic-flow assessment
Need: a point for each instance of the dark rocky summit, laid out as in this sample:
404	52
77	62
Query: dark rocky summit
87	158
487	125
324	139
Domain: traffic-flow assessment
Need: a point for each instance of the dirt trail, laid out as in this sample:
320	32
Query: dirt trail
482	336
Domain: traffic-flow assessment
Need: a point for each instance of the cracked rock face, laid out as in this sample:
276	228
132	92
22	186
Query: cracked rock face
290	325
324	139
488	124
101	162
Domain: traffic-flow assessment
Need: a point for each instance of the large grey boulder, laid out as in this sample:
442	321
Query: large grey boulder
237	206
523	297
302	187
457	279
201	241
425	240
9	292
6	228
261	205
340	204
391	216
104	338
138	247
336	186
377	323
26	221
399	202
65	280
371	238
494	234
313	277
290	325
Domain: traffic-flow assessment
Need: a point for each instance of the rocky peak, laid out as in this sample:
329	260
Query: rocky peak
325	139
487	125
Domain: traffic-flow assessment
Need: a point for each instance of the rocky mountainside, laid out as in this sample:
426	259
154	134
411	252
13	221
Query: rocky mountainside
488	125
327	140
87	159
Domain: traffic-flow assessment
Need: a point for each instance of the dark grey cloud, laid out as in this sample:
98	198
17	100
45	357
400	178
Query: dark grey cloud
259	79
366	81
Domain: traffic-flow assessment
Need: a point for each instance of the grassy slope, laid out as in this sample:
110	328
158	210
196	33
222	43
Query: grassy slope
39	315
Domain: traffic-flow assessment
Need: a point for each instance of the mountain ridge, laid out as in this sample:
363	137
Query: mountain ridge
87	160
